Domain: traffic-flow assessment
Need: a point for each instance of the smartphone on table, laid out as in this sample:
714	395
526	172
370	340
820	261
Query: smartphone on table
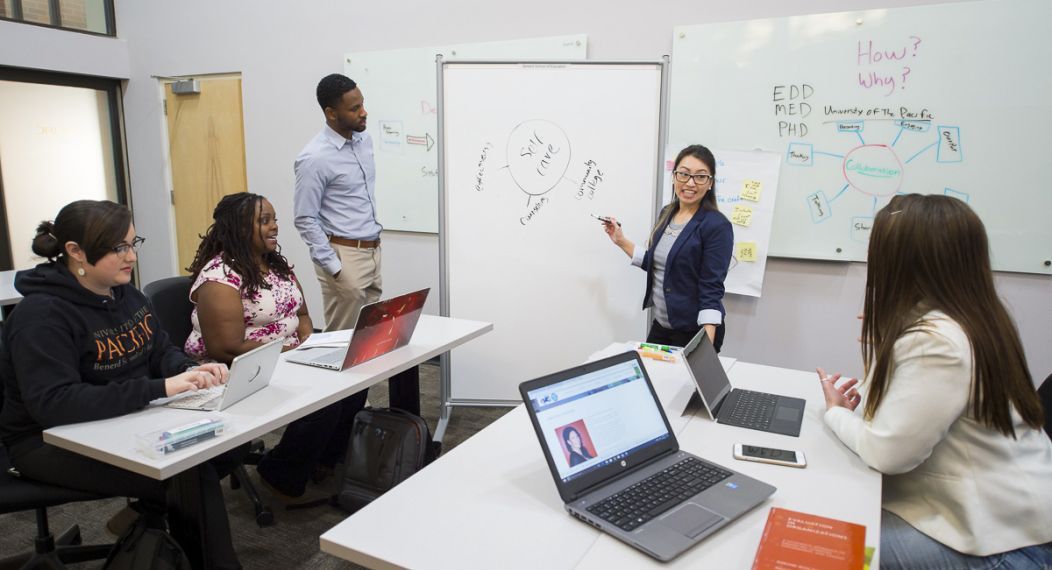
786	457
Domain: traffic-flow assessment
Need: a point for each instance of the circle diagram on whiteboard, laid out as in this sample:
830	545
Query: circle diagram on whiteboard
538	156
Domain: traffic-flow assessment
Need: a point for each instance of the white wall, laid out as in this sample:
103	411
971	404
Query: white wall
807	314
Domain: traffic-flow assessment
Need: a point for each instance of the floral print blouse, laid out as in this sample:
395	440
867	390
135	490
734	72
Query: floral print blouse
270	314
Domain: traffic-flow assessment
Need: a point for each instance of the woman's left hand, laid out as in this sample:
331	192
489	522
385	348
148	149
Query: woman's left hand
845	395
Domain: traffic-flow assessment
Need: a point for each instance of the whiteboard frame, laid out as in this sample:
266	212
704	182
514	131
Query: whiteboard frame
445	360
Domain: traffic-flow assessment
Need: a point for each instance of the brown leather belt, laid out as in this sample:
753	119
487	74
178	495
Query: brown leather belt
359	243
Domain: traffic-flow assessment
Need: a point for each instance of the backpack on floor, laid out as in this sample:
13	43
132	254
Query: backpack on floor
144	546
387	446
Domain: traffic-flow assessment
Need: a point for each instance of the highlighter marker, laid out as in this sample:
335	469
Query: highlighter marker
665	357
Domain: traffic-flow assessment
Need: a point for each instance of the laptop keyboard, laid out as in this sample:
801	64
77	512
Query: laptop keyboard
201	398
658	493
332	357
752	410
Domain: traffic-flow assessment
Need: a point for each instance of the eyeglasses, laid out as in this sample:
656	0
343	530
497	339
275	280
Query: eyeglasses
123	248
699	179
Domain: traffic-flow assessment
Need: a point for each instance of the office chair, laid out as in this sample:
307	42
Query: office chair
1045	393
170	298
17	494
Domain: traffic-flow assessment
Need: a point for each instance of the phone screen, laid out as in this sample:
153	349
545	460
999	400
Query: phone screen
769	453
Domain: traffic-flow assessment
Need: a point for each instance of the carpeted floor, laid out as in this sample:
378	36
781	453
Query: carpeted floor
292	542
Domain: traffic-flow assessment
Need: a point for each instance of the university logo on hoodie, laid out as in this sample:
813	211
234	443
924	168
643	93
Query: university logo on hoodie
125	343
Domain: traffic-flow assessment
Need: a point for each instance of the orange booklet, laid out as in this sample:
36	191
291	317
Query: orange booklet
799	541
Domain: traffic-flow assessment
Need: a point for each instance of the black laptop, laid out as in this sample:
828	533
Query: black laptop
743	408
618	466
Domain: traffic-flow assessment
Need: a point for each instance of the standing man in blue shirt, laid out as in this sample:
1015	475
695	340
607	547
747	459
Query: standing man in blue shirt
335	209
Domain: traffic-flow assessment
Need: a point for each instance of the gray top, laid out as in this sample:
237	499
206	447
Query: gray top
664	245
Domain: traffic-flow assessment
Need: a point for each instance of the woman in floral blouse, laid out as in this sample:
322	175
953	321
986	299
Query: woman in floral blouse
247	295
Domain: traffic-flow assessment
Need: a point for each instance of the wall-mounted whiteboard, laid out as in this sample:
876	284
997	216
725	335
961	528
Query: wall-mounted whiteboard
400	96
947	99
529	153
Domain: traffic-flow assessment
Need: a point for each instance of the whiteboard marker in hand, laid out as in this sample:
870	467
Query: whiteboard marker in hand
606	220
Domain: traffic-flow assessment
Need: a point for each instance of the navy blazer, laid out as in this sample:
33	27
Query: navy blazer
696	267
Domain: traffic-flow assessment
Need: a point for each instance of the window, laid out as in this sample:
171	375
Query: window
93	16
60	140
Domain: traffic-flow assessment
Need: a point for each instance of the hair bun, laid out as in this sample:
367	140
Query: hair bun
45	244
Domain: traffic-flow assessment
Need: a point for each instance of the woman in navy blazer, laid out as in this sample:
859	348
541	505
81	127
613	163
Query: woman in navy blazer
687	256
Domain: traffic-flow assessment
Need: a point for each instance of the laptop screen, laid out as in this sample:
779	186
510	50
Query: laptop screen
708	372
384	326
599	417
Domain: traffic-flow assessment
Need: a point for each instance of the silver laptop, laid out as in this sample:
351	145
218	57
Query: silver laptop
381	327
249	373
742	408
618	466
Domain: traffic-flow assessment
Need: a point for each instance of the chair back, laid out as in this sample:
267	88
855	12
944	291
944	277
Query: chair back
1045	393
172	307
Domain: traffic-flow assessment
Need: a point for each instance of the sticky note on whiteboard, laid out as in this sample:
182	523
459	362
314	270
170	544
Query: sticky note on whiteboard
745	251
742	216
751	190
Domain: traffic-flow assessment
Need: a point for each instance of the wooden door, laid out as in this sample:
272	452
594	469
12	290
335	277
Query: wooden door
206	139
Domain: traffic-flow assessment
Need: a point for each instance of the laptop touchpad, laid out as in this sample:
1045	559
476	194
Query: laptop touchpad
691	520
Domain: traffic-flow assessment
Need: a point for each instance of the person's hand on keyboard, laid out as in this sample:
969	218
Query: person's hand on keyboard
193	379
217	369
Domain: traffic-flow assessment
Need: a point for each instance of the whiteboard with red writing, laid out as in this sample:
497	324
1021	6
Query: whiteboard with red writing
946	99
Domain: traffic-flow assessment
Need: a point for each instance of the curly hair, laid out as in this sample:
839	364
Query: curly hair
230	235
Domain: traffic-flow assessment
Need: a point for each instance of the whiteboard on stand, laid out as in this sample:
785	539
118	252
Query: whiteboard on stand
529	153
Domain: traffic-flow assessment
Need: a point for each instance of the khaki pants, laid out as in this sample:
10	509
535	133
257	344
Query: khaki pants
359	284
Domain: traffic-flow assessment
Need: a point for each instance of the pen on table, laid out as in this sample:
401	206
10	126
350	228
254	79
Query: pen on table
657	356
651	346
606	220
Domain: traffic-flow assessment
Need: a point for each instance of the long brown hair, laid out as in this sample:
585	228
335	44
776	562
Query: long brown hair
708	201
931	253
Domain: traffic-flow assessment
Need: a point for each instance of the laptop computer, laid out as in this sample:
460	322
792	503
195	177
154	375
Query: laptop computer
742	408
381	327
249	373
617	464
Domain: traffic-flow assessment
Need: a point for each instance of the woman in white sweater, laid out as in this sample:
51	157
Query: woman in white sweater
947	411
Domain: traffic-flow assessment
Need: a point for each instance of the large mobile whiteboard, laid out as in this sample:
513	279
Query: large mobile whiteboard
528	153
400	95
948	99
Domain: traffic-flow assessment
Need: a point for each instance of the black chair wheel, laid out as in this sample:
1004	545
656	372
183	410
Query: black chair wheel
265	517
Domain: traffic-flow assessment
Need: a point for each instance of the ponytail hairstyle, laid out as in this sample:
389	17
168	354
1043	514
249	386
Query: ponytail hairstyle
708	202
95	225
230	235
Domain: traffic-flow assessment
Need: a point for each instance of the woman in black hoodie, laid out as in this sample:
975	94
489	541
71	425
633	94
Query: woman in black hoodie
84	345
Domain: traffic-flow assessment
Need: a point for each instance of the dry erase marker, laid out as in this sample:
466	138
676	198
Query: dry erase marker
650	346
606	220
665	357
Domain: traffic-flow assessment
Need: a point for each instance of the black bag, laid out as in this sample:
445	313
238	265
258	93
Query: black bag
144	546
386	447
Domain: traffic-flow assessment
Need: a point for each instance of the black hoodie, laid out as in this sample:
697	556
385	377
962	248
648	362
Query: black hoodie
70	355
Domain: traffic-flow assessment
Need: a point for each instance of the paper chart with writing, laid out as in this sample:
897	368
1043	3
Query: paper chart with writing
746	188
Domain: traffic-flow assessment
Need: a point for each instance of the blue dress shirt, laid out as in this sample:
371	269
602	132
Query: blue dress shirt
335	194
